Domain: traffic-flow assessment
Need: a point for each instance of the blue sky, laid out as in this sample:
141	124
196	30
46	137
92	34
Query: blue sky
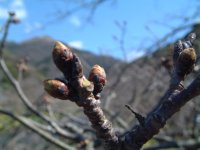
146	20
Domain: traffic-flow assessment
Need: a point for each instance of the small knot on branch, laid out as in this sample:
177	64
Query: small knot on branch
139	117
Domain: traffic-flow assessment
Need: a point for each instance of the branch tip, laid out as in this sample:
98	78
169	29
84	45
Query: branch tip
139	117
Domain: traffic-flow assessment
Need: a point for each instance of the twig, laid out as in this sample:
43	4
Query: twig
80	5
21	94
168	35
121	39
37	130
3	40
186	144
29	105
139	117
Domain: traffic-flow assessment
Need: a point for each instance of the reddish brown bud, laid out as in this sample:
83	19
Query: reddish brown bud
57	89
62	57
186	61
98	71
98	77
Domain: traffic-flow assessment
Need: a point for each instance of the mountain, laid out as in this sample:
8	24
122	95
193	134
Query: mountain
38	50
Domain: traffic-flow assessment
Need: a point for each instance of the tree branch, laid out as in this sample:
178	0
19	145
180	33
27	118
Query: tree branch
38	128
26	122
21	94
176	97
85	94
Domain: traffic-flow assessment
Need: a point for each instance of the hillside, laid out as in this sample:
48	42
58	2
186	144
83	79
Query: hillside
38	50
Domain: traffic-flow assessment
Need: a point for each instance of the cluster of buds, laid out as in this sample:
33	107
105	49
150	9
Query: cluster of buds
69	64
184	55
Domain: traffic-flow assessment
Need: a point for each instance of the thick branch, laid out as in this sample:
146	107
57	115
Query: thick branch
102	126
86	94
184	59
141	134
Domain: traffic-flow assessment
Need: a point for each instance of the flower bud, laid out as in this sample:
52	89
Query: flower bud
57	89
98	77
62	57
186	61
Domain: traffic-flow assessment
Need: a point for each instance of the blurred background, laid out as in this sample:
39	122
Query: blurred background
132	40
